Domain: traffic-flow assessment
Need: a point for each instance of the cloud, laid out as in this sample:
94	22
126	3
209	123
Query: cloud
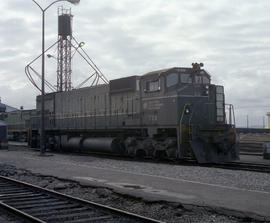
133	37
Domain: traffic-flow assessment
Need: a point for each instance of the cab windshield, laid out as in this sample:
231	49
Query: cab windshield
172	79
186	78
202	79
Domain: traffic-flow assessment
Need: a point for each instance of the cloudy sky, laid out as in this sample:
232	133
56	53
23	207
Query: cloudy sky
128	37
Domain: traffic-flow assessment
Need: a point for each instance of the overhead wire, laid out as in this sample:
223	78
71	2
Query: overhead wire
81	84
30	77
98	74
93	65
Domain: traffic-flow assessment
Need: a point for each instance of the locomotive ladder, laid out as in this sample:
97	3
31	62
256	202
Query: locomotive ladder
185	133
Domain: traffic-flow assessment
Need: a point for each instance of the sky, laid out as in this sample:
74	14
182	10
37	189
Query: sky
133	37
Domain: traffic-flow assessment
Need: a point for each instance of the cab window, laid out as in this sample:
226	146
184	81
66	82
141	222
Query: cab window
186	78
152	85
198	79
171	79
206	80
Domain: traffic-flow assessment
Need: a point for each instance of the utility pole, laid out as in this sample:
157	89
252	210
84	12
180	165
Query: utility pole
42	120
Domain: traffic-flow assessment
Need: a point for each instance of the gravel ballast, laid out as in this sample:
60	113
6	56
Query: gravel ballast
224	177
216	176
231	178
6	217
169	212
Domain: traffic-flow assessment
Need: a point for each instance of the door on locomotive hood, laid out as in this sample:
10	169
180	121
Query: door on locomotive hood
151	102
220	104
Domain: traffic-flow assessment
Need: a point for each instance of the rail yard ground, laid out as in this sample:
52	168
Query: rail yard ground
170	193
252	143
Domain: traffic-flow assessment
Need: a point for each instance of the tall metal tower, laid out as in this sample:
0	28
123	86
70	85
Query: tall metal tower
64	49
65	44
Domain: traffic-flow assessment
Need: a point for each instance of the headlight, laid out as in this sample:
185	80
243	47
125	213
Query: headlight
187	111
206	90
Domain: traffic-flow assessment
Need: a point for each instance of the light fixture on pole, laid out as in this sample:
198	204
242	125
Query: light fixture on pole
42	123
81	44
74	1
51	56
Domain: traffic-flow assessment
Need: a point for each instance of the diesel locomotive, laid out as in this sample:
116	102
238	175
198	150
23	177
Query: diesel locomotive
174	113
3	127
18	122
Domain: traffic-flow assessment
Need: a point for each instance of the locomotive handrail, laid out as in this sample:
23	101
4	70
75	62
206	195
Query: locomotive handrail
180	123
231	114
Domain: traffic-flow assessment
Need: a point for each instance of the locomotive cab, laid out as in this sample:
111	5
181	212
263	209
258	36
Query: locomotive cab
203	131
181	104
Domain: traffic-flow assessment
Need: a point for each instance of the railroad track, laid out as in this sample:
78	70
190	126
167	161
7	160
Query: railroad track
230	165
250	149
39	205
262	168
251	153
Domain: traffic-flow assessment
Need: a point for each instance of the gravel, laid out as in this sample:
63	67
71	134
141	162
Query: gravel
6	217
231	178
169	212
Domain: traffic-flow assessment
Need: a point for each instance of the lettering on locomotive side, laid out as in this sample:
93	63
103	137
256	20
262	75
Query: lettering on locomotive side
153	105
153	117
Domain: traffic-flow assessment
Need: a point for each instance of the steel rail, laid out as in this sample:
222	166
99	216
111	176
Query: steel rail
25	203
22	214
246	166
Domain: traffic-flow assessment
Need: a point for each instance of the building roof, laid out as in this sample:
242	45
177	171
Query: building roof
2	108
2	123
8	108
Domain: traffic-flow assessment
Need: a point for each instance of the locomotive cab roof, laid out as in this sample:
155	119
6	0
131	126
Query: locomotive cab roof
188	75
179	70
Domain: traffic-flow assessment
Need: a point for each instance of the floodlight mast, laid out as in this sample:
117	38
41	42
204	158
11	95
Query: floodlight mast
74	1
42	122
64	54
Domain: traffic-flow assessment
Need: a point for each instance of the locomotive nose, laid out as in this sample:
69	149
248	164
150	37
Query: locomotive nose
215	144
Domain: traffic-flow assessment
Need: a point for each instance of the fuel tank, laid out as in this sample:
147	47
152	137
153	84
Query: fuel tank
97	145
102	145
